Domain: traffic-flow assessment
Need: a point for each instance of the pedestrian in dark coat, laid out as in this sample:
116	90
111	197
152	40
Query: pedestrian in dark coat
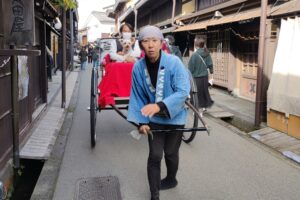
90	53
50	63
83	58
199	64
95	57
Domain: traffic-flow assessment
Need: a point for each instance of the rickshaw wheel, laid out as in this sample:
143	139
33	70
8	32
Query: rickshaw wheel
93	106
192	120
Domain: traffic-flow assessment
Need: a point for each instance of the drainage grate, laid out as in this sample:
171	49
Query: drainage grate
98	188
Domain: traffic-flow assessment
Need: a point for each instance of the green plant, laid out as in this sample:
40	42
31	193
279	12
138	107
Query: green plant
9	193
11	189
21	170
67	4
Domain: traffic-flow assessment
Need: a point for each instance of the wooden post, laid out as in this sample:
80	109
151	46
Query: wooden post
261	50
15	110
72	40
63	74
43	71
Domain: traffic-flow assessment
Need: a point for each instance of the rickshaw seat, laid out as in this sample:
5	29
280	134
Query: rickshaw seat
115	83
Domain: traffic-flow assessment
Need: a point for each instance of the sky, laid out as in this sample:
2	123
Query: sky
85	7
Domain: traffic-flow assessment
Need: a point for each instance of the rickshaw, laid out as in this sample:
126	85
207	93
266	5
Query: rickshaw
117	99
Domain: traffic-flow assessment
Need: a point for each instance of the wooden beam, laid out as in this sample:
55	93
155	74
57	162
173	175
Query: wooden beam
19	52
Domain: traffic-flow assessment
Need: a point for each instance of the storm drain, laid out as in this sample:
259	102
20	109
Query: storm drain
98	188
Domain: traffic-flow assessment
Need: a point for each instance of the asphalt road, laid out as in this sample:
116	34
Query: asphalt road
222	166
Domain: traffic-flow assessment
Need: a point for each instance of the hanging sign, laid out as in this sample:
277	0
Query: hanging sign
20	24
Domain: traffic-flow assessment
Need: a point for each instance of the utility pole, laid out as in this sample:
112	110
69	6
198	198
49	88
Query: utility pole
261	51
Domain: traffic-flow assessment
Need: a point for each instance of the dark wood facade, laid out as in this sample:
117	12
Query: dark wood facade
27	105
43	22
155	13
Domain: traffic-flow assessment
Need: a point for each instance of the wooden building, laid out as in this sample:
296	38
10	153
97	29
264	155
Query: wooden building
232	32
283	95
36	20
231	28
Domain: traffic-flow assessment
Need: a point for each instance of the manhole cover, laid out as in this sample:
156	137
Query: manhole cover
98	188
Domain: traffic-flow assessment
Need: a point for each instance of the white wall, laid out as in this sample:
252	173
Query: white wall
96	29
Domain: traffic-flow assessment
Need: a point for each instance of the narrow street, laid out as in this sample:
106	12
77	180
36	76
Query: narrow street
221	166
242	57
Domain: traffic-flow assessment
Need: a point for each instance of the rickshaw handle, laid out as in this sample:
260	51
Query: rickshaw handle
199	116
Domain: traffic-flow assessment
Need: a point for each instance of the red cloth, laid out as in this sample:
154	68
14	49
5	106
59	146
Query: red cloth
165	48
106	60
115	83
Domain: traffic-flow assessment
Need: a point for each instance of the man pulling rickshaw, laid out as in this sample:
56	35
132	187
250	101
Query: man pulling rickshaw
159	90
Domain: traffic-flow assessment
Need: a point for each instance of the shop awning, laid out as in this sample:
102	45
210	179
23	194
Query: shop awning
286	8
249	14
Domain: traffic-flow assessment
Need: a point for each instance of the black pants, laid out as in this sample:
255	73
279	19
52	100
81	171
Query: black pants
168	143
204	98
49	71
90	60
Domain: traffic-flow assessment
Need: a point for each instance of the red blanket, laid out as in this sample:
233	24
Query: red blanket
115	83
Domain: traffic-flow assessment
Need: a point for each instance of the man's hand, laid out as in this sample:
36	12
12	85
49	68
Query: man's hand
144	129
150	110
121	53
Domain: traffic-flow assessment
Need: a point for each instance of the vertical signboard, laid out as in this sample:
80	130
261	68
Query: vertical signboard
19	22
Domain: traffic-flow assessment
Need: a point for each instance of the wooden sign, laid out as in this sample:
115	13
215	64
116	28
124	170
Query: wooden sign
19	22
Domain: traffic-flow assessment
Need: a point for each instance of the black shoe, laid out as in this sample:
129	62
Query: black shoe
155	196
166	183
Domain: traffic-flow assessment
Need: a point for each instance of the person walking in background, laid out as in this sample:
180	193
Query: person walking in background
83	58
95	57
173	49
199	64
160	86
50	63
90	53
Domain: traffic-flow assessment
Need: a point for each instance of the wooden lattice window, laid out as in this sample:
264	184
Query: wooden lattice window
218	44
273	31
250	58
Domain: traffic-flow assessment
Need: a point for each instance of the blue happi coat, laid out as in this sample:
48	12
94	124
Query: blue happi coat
172	88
